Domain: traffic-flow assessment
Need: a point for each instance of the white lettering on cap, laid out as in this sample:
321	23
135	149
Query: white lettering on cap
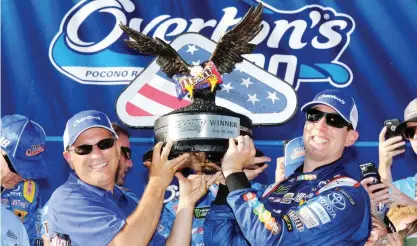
86	118
332	97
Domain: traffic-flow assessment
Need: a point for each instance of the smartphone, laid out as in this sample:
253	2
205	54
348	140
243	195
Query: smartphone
369	170
392	130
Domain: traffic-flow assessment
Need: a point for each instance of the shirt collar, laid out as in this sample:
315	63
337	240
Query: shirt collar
332	164
73	178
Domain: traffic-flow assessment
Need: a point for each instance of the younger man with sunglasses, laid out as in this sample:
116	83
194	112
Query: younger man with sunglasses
318	205
125	159
89	207
22	144
388	149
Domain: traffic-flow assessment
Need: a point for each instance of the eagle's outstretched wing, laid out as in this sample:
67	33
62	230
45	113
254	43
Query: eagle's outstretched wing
235	43
169	60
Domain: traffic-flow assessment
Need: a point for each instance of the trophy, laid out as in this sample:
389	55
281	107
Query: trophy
202	128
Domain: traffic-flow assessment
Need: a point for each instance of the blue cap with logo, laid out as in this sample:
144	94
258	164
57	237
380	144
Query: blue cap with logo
343	104
83	121
24	142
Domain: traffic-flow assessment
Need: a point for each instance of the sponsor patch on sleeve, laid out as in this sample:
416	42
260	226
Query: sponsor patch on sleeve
29	189
288	223
299	225
272	226
200	213
249	196
20	213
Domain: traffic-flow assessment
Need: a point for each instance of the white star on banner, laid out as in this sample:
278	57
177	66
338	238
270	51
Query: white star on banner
273	96
196	63
246	82
192	49
227	87
252	99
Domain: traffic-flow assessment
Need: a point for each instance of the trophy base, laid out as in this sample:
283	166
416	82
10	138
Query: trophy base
205	154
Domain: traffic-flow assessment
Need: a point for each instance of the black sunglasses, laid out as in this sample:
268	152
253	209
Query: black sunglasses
410	132
127	152
334	120
9	164
86	149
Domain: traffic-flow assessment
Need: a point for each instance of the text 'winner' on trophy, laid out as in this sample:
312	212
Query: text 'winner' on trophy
202	128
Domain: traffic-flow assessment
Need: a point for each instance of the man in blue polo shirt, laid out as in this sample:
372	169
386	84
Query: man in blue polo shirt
89	207
22	143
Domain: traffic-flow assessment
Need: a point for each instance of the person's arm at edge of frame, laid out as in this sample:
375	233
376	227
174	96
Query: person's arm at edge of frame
141	224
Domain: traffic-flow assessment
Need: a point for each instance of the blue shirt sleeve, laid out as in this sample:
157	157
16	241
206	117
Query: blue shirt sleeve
32	219
165	224
332	217
221	228
220	225
86	222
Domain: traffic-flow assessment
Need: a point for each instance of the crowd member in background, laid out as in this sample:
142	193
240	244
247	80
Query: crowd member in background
388	150
89	207
402	211
22	144
379	193
125	160
318	205
410	234
402	216
202	206
380	236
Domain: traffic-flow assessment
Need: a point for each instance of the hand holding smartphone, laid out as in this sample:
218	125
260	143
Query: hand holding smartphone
369	170
392	130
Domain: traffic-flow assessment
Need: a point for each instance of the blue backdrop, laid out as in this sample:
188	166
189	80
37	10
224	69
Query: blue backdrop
61	57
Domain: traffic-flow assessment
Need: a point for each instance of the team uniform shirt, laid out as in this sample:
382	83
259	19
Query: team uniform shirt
13	232
88	214
25	202
322	207
200	211
407	186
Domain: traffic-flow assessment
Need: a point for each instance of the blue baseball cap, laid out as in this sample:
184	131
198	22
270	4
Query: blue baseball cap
343	104
24	142
83	121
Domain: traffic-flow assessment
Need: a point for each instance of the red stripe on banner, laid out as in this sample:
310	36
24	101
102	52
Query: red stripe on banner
134	110
162	97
